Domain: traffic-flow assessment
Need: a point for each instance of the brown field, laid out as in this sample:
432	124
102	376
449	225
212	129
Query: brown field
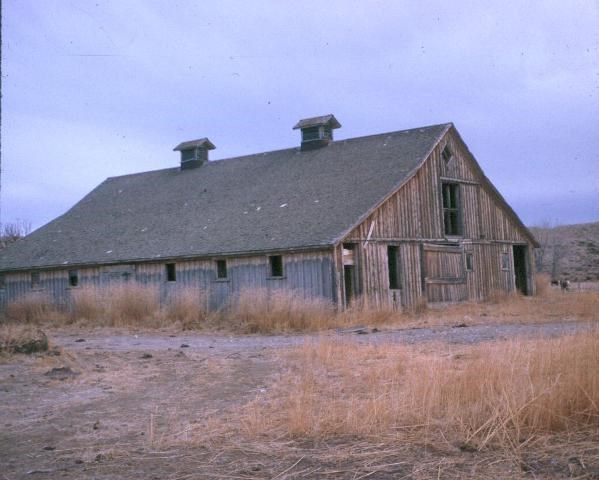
503	389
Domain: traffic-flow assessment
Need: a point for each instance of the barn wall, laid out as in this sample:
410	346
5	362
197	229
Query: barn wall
413	218
309	273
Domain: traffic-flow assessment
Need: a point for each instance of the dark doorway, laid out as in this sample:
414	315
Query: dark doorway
521	268
348	277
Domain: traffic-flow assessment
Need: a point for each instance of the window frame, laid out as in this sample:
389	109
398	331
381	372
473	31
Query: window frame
219	263
311	134
469	262
504	261
446	154
276	267
36	280
451	206
170	272
73	274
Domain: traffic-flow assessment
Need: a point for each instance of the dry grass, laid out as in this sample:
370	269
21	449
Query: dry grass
117	306
22	338
542	284
188	307
261	311
504	394
33	308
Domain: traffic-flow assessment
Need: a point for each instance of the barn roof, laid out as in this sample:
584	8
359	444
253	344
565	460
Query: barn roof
285	199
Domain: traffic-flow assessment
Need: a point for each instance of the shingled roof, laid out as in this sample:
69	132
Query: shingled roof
285	199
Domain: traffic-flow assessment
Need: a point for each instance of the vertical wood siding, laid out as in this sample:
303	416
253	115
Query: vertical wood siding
413	216
310	274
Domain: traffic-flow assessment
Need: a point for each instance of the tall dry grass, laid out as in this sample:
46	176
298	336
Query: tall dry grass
492	394
188	307
116	306
263	311
33	308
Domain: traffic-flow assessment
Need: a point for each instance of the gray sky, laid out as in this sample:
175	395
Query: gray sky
92	89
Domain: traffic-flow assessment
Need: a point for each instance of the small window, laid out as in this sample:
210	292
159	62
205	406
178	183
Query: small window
2	281
447	154
451	208
310	133
35	279
394	267
469	262
276	265
171	272
73	278
505	261
188	155
221	269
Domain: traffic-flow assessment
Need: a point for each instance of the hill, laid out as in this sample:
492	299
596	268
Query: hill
568	251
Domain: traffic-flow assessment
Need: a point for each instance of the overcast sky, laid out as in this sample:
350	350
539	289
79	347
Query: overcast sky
92	89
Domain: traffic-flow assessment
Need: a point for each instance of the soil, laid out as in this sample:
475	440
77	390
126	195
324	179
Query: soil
111	404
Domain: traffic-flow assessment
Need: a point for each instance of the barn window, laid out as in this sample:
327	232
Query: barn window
505	261
394	267
2	281
469	262
276	265
447	154
73	278
171	272
35	279
221	269
451	208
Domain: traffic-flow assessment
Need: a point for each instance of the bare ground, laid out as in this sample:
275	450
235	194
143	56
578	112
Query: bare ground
108	404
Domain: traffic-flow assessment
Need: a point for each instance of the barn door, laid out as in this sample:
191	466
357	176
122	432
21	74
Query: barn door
444	274
521	268
350	276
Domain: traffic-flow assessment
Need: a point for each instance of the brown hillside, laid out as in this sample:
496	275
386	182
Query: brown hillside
568	251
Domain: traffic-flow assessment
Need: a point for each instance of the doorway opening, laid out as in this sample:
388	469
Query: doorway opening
348	277
521	268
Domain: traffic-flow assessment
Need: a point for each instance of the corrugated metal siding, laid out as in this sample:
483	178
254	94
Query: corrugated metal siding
309	273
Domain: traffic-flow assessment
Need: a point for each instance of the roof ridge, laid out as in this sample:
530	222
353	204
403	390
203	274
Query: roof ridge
268	152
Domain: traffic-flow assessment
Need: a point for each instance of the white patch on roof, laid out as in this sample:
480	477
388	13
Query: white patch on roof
283	205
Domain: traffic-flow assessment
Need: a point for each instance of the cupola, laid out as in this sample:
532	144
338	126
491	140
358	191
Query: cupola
194	152
317	132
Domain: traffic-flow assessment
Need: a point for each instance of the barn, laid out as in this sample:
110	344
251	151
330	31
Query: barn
396	218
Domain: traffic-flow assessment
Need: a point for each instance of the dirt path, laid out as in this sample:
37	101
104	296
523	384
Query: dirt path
126	408
214	344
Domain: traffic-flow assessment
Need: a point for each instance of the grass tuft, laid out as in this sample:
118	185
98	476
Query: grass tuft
22	338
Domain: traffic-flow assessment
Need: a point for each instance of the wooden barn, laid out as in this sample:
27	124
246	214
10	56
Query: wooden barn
396	218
